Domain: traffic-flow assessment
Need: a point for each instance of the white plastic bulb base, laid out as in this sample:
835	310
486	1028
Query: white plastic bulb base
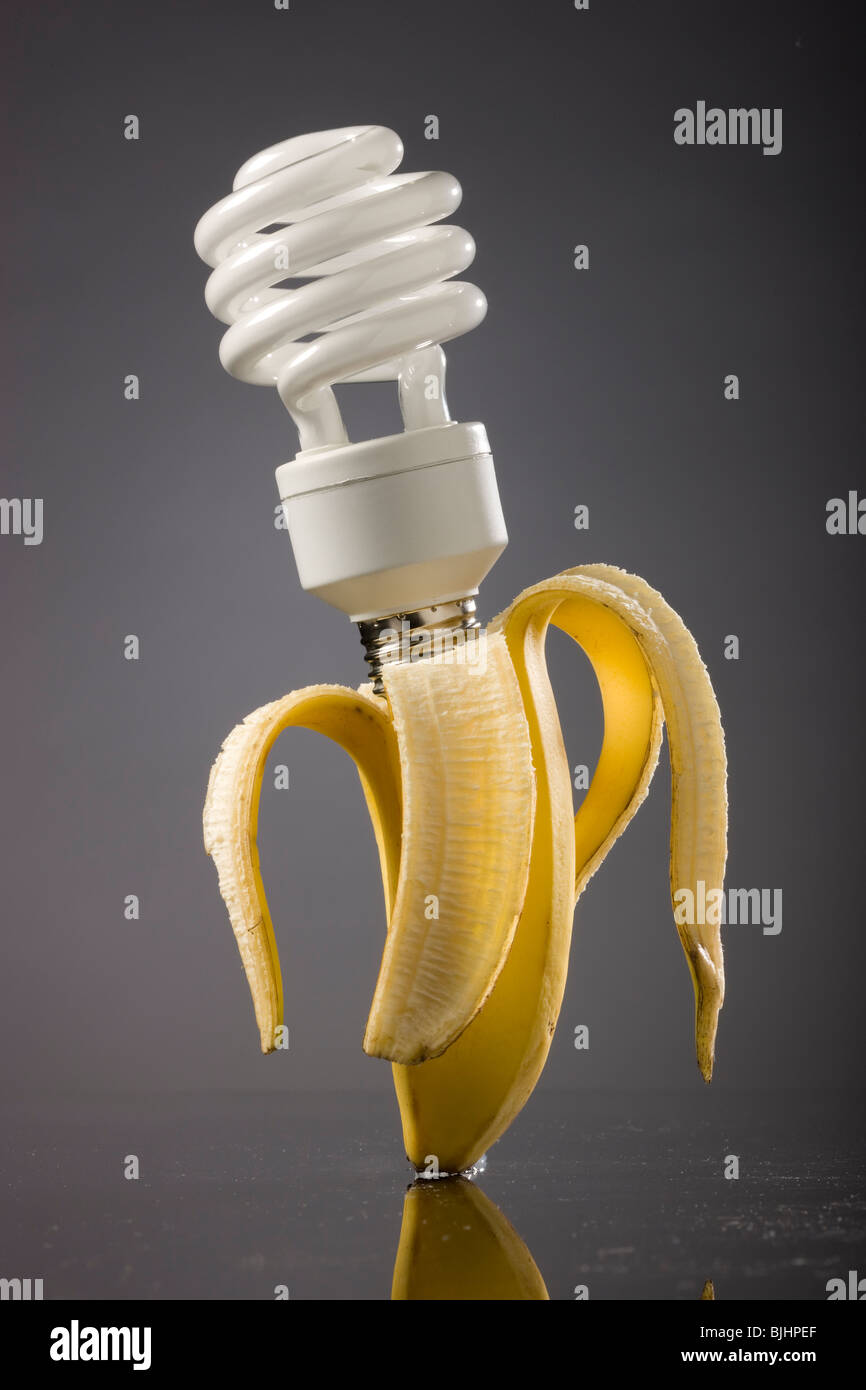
395	525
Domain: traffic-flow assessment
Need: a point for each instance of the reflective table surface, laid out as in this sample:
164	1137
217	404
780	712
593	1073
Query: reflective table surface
598	1195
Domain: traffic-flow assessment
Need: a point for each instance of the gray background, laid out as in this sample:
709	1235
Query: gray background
602	387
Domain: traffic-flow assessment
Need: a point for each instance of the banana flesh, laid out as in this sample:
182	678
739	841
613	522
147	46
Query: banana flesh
468	806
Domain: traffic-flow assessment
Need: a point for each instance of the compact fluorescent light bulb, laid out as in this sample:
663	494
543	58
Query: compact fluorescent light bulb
403	527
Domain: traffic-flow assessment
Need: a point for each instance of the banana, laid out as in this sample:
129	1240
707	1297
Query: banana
455	1244
458	1105
467	783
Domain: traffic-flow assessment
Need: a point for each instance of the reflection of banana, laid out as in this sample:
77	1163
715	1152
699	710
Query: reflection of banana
468	786
455	1244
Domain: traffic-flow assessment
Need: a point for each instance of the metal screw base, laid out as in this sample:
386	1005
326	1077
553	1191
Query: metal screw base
413	636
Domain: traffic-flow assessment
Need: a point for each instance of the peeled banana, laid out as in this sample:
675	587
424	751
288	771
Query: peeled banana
468	786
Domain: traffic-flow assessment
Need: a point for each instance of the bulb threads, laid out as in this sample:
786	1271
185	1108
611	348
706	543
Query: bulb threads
417	635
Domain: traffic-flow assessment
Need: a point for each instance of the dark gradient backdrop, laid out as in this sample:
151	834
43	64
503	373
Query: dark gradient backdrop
603	387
